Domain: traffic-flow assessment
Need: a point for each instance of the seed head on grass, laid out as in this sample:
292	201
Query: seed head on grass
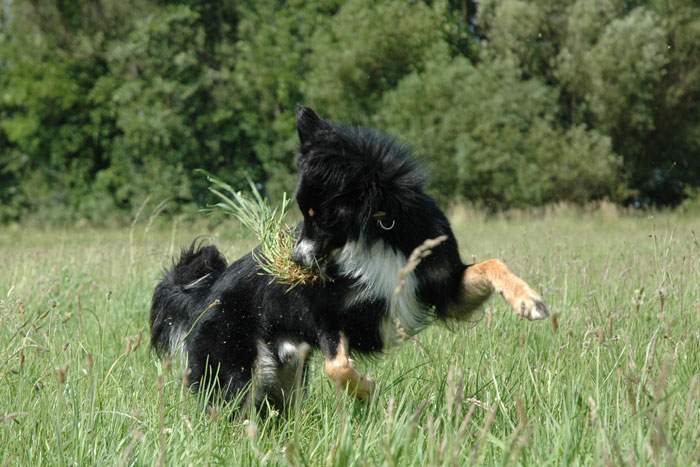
276	237
419	253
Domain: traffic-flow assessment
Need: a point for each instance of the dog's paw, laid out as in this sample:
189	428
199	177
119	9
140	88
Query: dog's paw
364	388
530	306
347	378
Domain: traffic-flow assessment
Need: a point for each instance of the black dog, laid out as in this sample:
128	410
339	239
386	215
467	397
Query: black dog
365	211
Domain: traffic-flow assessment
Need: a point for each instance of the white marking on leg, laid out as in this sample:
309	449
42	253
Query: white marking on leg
287	352
265	365
292	356
278	369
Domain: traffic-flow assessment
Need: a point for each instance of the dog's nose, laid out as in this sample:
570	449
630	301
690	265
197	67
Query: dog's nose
296	256
303	253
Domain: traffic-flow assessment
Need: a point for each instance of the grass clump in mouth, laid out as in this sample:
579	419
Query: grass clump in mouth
276	237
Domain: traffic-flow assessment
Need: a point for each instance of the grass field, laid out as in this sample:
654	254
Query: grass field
614	380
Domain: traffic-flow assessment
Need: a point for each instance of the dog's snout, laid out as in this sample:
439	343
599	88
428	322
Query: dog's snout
303	252
296	256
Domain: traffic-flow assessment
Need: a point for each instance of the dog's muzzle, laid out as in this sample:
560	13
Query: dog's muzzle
303	253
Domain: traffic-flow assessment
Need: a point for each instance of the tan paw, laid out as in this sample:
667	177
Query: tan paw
530	306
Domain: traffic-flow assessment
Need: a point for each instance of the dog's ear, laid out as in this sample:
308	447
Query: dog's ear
308	123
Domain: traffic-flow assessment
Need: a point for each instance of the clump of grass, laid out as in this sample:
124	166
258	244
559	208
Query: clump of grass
276	237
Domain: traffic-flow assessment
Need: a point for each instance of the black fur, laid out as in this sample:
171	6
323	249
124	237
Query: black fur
182	289
360	193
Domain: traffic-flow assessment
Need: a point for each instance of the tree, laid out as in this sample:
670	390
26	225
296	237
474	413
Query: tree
272	58
104	103
493	139
529	32
174	102
615	69
364	51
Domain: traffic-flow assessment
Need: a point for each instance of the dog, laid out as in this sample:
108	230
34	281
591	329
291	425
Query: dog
365	211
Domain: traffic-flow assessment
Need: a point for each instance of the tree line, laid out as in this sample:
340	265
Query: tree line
507	103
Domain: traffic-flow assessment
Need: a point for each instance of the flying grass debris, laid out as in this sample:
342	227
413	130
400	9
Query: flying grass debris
276	237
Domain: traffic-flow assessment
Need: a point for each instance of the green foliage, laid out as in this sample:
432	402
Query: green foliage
619	74
493	139
674	144
271	56
54	138
619	70
691	205
616	382
527	31
365	50
174	105
105	104
275	237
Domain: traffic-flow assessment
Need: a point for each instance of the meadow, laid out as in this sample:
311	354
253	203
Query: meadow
613	378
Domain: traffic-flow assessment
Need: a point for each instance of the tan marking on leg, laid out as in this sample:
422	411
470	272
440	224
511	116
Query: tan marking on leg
481	279
341	371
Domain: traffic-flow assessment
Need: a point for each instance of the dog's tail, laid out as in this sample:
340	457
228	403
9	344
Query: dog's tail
181	293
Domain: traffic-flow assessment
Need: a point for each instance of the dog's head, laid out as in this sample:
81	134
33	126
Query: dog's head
324	194
352	182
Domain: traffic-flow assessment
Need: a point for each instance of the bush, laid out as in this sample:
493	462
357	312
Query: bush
364	51
174	107
105	103
492	139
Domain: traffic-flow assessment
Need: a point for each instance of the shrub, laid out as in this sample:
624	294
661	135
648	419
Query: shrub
493	140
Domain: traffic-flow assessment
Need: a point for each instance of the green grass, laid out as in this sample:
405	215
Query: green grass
616	383
269	226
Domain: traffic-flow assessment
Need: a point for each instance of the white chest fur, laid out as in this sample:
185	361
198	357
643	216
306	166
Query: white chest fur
376	268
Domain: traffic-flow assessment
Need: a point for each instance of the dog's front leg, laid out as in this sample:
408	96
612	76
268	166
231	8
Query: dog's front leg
481	279
339	367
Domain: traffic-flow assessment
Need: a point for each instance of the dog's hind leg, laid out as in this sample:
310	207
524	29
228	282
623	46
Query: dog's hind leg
481	279
279	373
291	373
339	367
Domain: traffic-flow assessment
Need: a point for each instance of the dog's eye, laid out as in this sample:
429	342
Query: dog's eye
311	212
